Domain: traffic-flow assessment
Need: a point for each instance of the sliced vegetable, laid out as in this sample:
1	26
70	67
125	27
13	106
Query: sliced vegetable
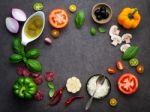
33	53
80	19
19	14
134	62
102	30
120	65
24	88
15	58
140	69
58	18
72	8
93	31
128	83
12	25
38	6
131	52
113	102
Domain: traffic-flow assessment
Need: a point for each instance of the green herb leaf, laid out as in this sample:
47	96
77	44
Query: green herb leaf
131	52
15	58
93	31
33	53
51	85
17	47
102	30
34	65
51	92
79	19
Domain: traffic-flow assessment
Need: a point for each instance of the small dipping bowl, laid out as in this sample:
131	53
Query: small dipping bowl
108	9
102	91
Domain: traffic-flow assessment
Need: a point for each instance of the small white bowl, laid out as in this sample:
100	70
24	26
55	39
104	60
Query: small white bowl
25	38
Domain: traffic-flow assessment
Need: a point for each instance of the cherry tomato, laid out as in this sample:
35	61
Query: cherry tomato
120	65
58	18
55	33
128	83
111	70
140	69
113	102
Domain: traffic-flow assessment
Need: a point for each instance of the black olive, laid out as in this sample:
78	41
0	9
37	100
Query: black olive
103	13
103	8
97	12
106	15
99	17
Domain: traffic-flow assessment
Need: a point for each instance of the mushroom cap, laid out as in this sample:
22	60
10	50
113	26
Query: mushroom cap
114	30
116	38
124	47
126	36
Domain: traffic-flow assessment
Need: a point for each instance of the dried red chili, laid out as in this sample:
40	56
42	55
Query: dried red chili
71	99
57	96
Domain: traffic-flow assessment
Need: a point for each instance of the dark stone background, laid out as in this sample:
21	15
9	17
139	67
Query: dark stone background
77	53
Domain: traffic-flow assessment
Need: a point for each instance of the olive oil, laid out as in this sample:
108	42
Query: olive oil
34	27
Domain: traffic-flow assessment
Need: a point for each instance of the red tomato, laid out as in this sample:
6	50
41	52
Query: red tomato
120	65
128	83
58	18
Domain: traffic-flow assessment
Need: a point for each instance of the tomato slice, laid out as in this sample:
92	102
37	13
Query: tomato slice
128	83
58	18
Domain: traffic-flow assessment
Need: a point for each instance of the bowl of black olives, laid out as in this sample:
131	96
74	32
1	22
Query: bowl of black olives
101	13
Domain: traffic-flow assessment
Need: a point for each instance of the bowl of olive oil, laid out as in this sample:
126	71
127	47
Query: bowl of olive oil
33	27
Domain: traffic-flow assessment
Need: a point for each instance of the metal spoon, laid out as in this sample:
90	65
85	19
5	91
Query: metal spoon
100	80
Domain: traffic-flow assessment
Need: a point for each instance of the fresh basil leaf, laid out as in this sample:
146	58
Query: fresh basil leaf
131	52
51	92
17	47
33	53
93	31
34	65
15	58
51	85
102	30
79	19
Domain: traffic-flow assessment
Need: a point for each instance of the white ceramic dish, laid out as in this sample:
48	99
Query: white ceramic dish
25	39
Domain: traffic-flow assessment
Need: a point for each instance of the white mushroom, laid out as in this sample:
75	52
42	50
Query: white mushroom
114	30
127	37
124	47
116	40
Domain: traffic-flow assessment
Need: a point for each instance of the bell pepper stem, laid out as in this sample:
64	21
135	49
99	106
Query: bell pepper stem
132	14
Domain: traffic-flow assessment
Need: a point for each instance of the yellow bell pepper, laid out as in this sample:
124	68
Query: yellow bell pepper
129	18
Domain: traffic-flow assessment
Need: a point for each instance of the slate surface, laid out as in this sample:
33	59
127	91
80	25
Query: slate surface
77	53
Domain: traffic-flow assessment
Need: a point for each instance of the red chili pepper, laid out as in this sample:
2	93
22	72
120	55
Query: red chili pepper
57	96
71	99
